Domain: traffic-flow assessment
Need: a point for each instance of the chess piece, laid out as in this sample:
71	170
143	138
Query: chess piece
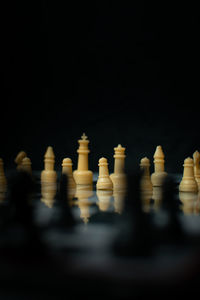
25	165
104	182
49	174
2	177
196	160
104	197
82	175
67	169
19	157
146	183
118	177
188	182
159	174
188	200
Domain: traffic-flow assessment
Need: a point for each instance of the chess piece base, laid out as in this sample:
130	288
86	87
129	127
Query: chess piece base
83	177
157	178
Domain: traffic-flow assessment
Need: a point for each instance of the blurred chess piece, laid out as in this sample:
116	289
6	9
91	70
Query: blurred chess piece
25	165
159	173
3	180
48	193
104	197
188	200
83	193
49	174
104	182
146	184
188	182
19	158
119	177
196	160
82	175
67	169
119	198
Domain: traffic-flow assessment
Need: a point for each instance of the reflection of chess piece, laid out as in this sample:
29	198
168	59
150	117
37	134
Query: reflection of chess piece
188	182
83	192
19	157
25	165
119	198
146	184
3	180
188	200
49	174
67	169
196	160
82	175
48	192
118	177
104	182
159	174
157	197
104	197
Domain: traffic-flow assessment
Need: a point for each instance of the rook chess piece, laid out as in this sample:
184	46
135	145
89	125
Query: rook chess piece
118	177
188	182
159	174
104	182
49	174
82	175
196	160
67	169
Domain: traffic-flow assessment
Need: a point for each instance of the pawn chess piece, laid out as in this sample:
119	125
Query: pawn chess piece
25	165
104	182
188	182
146	183
67	169
159	174
82	175
19	158
49	174
196	160
118	177
3	180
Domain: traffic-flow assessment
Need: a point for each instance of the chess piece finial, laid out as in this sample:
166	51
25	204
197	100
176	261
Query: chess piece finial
19	158
196	159
119	177
104	182
3	180
25	165
67	169
159	173
82	175
188	182
49	174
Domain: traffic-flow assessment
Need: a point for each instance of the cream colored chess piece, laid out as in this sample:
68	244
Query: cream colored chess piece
82	175
3	180
119	177
146	183
188	200
49	174
67	169
83	193
104	197
159	174
25	165
19	158
196	160
104	182
188	182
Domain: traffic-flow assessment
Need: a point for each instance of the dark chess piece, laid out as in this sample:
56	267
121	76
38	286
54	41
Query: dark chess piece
171	205
63	217
135	237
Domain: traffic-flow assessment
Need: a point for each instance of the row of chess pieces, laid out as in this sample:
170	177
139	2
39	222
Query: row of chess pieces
117	180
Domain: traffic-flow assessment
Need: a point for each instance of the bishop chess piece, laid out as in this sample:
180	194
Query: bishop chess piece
104	182
82	175
49	174
196	160
159	173
118	177
67	169
188	182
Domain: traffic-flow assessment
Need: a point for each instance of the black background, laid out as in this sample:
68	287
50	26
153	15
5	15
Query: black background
121	73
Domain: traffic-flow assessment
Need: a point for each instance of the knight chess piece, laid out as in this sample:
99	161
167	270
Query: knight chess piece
19	158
